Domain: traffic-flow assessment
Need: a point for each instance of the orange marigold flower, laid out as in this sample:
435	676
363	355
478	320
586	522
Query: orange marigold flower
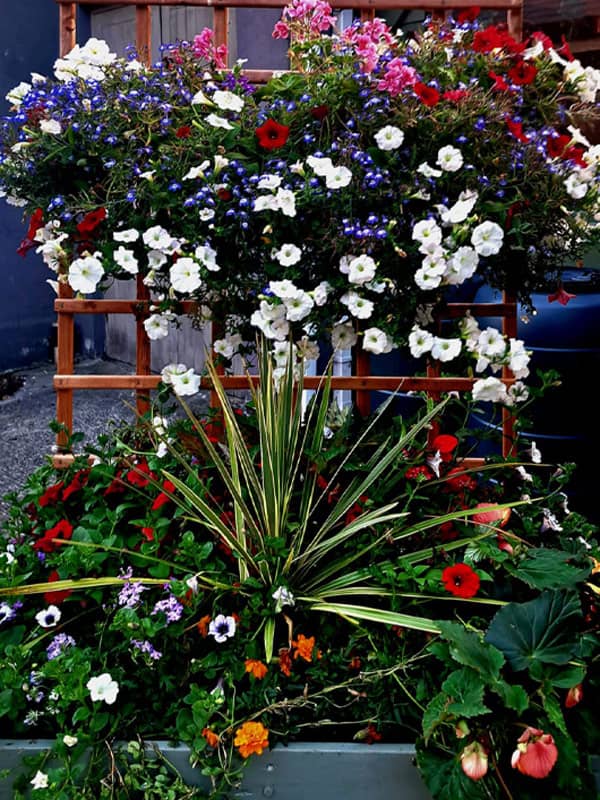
256	668
252	737
285	661
202	625
304	647
211	737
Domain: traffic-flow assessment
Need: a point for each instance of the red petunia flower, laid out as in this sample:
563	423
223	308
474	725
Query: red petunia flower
184	132
522	73
137	476
272	134
516	129
35	223
446	443
51	495
319	112
460	580
536	753
468	14
540	36
148	533
487	40
163	497
561	296
62	530
500	84
428	95
565	50
59	596
79	481
91	221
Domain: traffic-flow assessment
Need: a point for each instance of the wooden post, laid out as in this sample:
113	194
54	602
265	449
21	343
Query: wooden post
67	27
143	353
65	365
221	27
143	33
514	19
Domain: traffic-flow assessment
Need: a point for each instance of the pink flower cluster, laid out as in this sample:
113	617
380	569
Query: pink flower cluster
305	19
368	41
397	77
203	47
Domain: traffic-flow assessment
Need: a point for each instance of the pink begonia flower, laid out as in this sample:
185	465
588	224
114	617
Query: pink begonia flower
474	761
536	753
561	295
574	696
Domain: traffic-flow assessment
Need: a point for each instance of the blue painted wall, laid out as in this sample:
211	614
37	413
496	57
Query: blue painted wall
29	43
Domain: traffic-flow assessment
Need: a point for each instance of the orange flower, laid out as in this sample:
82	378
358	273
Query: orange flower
304	647
211	737
285	661
252	737
256	668
202	626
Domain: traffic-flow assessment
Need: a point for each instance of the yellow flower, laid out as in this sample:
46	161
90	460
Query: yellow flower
252	737
256	668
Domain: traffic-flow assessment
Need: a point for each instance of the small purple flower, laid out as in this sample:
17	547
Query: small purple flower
130	594
222	628
58	645
7	613
171	607
147	648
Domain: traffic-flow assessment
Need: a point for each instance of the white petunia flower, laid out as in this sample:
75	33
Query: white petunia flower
429	278
207	256
127	236
39	780
489	390
156	259
343	336
200	99
85	274
320	166
52	126
172	370
376	341
576	185
420	342
429	172
219	122
227	346
491	343
186	383
126	260
445	349
534	453
427	230
206	214
461	209
519	358
157	238
450	158
287	255
267	202
338	178
96	51
271	182
17	93
185	275
103	688
282	289
227	101
69	740
461	266
487	238
49	617
321	292
286	202
222	628
389	138
307	349
197	172
361	269
157	326
299	306
358	306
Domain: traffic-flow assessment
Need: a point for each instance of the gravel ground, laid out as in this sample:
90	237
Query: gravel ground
25	416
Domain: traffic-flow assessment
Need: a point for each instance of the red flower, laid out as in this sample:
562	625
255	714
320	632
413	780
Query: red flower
148	533
474	761
500	84
536	753
91	221
574	696
565	50
137	475
468	14
487	40
575	154
59	596
460	580
272	134
445	444
79	481
429	95
184	132
413	473
522	73
448	532
224	194
163	497
35	223
115	486
455	95
561	295
516	129
51	495
319	112
491	515
457	480
62	530
540	36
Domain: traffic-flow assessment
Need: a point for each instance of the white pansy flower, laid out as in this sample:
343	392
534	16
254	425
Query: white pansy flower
445	349
103	688
361	269
49	617
17	93
389	138
489	390
157	238
375	341
218	122
129	235
85	274
358	306
449	158
185	275
343	336
39	780
185	383
420	342
338	177
207	256
197	172
487	238
222	628
52	126
157	326
227	101
287	255
126	259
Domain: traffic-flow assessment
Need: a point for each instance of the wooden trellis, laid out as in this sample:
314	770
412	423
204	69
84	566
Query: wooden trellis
143	381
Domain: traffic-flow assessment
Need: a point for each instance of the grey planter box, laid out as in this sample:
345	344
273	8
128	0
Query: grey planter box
306	771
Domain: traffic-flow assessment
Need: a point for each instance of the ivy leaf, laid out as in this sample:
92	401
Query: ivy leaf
545	568
513	696
541	630
469	648
465	688
445	779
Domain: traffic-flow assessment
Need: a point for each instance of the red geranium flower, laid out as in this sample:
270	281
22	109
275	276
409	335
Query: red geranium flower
272	134
522	73
468	14
59	596
184	132
163	497
51	495
455	95
428	95
62	530
91	221
536	753
460	580
413	473
457	480
516	129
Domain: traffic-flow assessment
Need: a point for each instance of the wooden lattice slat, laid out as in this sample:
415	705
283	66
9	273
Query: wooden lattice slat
361	383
